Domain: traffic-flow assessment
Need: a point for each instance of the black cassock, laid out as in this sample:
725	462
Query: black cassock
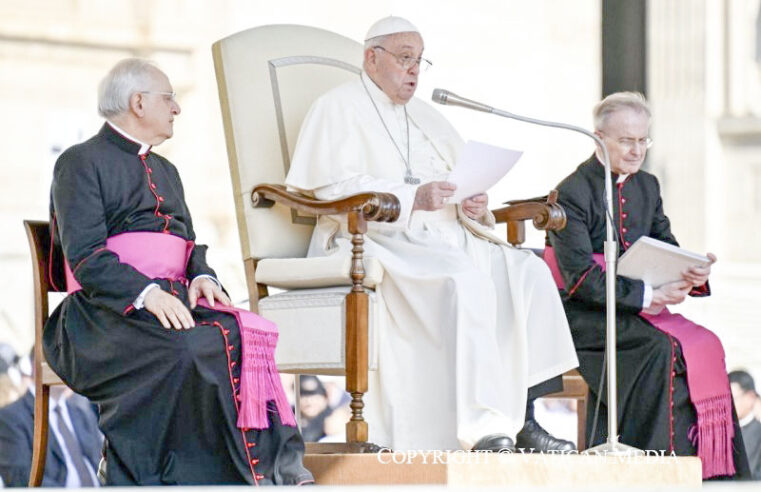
645	354
166	397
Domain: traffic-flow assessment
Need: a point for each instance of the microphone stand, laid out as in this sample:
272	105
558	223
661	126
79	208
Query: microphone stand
612	447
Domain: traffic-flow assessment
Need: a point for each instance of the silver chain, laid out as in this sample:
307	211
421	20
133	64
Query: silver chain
408	177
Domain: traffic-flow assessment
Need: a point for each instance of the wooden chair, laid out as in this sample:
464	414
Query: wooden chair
326	316
38	234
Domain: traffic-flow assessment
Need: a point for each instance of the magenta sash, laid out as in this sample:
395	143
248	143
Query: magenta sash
153	254
707	380
166	256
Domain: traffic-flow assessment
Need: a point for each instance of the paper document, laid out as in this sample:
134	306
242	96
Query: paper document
656	262
479	168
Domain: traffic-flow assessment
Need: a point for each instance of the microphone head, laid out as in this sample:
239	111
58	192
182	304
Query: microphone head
440	96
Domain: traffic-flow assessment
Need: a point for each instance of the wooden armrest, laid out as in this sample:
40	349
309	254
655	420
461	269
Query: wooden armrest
375	207
544	212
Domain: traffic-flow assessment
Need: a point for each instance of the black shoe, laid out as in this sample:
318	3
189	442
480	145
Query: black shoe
534	436
495	443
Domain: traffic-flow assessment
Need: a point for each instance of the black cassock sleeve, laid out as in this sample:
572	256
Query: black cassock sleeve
584	279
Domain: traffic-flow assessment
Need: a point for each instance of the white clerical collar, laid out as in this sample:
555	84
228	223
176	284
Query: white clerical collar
144	147
621	178
747	419
376	92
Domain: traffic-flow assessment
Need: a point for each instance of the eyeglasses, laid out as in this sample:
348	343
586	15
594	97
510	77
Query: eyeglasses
169	96
407	62
628	143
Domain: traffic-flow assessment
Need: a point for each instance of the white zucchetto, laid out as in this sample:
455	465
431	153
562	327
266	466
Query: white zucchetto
390	25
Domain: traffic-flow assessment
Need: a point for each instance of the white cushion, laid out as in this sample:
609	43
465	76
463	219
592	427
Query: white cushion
312	327
320	271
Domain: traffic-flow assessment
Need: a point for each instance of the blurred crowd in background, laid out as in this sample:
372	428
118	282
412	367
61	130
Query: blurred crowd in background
15	374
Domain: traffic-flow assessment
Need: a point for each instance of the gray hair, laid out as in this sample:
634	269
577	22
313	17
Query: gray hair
124	79
376	41
616	102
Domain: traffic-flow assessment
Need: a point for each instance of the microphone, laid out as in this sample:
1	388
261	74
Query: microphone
443	96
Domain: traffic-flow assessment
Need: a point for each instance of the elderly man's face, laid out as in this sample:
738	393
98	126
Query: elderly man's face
625	134
159	109
398	83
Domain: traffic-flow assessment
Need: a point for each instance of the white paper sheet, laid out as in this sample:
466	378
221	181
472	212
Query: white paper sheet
479	168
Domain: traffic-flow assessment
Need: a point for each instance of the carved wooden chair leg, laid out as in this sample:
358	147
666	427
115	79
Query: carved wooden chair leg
356	333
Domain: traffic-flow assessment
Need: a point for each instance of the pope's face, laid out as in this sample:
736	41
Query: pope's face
159	109
384	67
625	134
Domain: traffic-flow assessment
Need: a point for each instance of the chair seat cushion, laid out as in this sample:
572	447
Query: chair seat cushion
312	329
315	272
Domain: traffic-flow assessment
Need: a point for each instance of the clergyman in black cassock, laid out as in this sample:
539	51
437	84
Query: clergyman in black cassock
655	409
164	371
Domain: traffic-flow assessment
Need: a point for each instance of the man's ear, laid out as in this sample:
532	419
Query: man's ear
136	102
598	134
370	57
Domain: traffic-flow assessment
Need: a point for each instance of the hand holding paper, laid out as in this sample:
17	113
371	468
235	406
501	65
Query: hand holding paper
479	168
476	206
433	195
698	274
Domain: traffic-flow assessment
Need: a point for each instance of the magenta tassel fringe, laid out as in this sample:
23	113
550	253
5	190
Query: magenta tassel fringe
714	435
260	381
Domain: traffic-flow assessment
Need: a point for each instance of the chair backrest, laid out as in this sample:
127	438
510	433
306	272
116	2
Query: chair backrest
268	77
48	273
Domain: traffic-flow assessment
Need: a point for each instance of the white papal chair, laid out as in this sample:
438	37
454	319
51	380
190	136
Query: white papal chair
329	315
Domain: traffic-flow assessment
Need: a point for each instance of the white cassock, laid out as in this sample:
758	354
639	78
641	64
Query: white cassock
471	322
